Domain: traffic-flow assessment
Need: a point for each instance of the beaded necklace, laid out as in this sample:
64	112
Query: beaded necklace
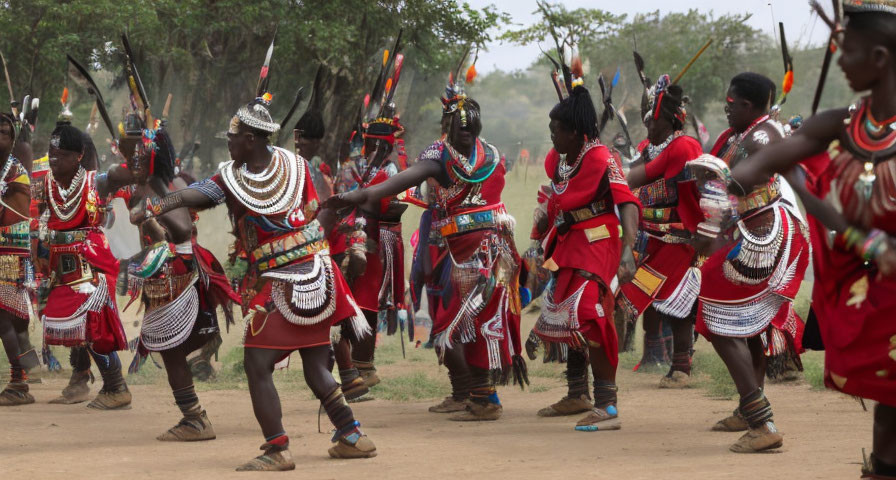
3	173
654	151
735	140
71	196
465	163
566	171
872	137
276	189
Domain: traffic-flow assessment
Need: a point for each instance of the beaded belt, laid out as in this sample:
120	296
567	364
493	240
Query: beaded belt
65	237
158	291
12	269
466	222
659	192
660	215
16	236
288	248
761	197
309	233
568	218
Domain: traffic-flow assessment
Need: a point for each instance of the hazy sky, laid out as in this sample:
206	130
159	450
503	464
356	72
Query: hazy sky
801	26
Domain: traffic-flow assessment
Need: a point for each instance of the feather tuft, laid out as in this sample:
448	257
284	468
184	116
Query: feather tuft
385	56
267	97
787	84
576	67
64	99
471	74
389	85
366	100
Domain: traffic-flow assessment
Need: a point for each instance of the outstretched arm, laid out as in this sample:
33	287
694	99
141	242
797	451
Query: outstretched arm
115	178
811	139
369	197
199	196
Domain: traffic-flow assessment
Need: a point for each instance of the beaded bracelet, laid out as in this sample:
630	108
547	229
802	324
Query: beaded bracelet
867	246
874	245
850	238
153	207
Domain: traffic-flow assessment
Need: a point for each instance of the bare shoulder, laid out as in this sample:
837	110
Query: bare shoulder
764	134
824	126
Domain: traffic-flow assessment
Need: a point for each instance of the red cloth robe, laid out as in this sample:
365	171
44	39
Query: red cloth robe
489	327
103	330
665	255
584	305
733	308
268	327
854	304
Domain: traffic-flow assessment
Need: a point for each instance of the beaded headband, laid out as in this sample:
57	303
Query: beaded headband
861	6
256	115
655	97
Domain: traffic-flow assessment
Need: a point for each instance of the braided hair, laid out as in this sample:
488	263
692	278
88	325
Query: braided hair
672	106
472	113
577	113
165	157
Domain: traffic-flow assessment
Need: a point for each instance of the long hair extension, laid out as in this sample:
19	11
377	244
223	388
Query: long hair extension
577	113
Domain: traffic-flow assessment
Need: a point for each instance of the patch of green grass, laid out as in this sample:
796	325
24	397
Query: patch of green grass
813	369
232	365
411	387
538	369
538	388
149	373
628	360
712	375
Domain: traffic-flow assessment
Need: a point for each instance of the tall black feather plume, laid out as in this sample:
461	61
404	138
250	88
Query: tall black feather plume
80	75
380	85
607	114
264	76
639	66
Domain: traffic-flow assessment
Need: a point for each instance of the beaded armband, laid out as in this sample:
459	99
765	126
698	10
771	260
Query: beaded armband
210	189
156	206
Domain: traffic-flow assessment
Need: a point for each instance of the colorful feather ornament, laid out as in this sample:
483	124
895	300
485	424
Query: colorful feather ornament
787	85
578	71
264	74
471	74
64	99
267	97
787	82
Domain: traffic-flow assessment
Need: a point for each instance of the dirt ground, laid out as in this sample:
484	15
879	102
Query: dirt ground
665	434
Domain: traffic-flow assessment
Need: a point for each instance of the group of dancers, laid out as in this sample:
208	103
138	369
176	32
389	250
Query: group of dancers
713	243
